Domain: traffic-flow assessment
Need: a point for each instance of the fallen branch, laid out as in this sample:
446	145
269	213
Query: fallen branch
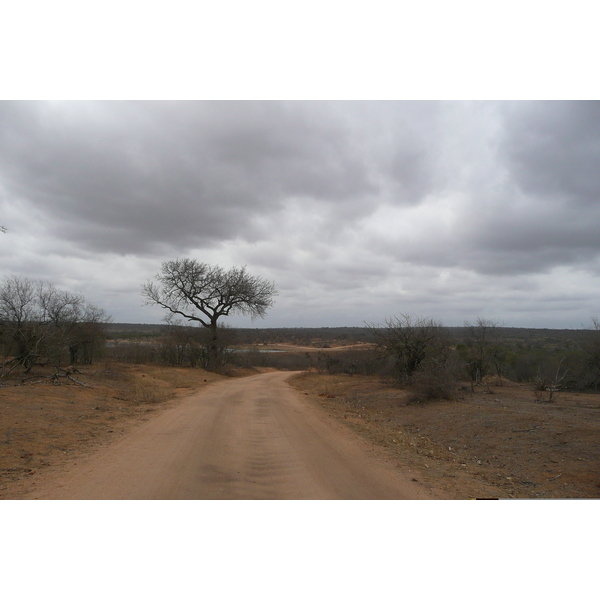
78	382
67	374
17	363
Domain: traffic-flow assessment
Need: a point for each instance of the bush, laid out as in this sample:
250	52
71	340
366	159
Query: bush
363	361
434	381
411	342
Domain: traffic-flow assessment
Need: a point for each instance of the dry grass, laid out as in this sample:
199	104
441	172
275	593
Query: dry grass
43	425
495	442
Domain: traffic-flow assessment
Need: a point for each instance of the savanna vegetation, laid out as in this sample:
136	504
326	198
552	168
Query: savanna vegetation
412	352
45	326
41	325
501	411
478	411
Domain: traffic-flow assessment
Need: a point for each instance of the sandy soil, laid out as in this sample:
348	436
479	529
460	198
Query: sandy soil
44	427
498	442
248	438
296	348
267	443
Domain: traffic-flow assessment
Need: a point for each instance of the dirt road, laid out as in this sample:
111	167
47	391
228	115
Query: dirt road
248	438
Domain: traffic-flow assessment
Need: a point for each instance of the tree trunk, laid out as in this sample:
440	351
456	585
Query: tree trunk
213	348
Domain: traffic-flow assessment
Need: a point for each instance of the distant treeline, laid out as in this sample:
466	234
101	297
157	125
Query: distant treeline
563	338
429	352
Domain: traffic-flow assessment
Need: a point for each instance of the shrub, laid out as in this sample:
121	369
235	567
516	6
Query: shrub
434	381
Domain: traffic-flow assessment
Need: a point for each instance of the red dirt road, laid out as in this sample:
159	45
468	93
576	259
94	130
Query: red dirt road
248	438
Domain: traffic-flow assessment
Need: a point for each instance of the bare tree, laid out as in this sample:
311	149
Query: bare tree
482	350
41	324
205	293
546	390
20	317
410	341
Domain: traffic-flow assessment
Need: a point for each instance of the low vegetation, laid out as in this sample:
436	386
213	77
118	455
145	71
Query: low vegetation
45	424
414	353
42	325
491	441
483	409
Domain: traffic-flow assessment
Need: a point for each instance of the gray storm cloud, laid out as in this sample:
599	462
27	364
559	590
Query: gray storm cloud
126	176
553	149
384	202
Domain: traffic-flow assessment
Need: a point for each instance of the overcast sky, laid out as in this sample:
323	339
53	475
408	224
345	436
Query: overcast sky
356	210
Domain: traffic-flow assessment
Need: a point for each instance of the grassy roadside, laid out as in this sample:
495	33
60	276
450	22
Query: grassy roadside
44	425
497	442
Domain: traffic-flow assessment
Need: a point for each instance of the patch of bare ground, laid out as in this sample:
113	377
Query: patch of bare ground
45	426
317	346
495	442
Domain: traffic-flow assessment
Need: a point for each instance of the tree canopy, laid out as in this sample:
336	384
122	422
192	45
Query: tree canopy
205	293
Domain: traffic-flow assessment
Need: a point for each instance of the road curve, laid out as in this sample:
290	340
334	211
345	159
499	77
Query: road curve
251	438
